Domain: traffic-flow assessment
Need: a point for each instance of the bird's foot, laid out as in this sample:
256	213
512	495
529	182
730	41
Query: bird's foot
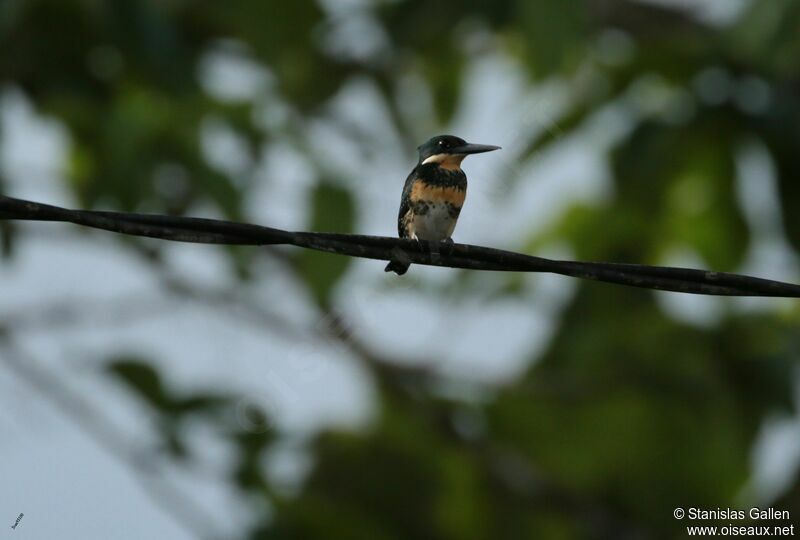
447	246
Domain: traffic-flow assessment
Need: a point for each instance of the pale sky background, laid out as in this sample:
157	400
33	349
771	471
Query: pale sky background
68	487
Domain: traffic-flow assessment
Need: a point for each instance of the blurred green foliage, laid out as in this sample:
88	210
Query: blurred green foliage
628	413
332	210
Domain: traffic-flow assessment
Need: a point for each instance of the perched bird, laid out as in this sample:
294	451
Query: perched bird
434	193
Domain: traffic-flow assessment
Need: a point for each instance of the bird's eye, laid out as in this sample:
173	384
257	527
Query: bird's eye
443	144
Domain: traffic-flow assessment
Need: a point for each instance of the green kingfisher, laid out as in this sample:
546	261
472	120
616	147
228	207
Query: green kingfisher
434	193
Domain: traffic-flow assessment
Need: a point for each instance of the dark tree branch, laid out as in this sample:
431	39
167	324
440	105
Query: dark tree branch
211	231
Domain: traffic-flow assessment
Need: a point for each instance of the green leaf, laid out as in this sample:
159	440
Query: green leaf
553	34
702	211
769	37
781	137
333	211
144	380
443	70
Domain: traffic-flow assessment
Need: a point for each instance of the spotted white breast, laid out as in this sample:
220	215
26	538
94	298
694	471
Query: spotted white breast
436	223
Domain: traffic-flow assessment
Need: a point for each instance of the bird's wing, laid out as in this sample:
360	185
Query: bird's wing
405	205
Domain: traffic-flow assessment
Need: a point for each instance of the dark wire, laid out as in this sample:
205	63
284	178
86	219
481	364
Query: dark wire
212	231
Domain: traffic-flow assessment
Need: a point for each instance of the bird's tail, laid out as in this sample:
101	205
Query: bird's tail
397	267
399	263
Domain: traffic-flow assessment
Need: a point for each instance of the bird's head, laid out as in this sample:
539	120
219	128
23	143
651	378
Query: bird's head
449	151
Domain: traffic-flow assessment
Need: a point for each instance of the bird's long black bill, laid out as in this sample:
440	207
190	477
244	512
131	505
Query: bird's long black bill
473	149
